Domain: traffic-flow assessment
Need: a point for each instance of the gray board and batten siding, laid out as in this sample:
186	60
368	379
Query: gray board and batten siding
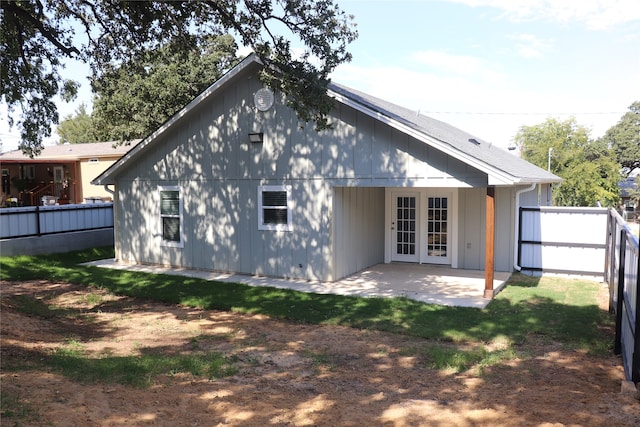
337	180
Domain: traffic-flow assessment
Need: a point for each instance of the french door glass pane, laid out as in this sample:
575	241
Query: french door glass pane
406	225
437	226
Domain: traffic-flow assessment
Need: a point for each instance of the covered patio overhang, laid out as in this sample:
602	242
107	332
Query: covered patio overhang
426	283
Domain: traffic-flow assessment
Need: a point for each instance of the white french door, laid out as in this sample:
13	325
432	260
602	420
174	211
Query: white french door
438	244
405	227
422	226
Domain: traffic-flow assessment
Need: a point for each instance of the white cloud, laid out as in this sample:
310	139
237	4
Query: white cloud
462	65
530	46
459	64
595	14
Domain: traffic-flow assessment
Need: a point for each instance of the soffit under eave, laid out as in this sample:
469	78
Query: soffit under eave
499	181
521	181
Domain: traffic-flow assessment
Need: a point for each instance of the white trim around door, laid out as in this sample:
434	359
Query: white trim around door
422	225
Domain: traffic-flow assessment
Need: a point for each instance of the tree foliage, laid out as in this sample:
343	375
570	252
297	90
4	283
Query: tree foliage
624	138
77	129
588	168
36	36
635	193
134	99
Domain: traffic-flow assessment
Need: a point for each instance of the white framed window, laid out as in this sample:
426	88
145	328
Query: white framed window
274	207
171	216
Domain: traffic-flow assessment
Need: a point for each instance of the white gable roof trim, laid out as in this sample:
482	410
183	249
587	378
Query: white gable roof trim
104	178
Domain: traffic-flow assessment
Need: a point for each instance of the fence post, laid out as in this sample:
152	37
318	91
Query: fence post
635	364
617	346
610	259
38	229
607	252
520	237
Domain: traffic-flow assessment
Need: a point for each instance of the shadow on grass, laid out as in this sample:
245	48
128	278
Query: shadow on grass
134	370
525	308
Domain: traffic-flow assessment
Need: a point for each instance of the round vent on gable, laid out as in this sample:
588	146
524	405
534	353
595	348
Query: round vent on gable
263	99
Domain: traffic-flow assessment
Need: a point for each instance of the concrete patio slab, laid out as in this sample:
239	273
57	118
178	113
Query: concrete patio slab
421	282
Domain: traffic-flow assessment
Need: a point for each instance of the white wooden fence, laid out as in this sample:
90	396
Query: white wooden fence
44	220
563	240
594	242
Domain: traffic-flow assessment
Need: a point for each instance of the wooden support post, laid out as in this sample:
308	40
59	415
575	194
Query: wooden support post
489	256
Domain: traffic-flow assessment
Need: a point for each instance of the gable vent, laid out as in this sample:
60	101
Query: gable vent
263	99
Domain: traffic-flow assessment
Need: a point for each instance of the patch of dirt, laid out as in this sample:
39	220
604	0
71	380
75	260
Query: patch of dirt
289	374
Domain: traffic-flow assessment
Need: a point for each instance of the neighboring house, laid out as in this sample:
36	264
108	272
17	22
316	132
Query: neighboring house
60	171
235	182
629	195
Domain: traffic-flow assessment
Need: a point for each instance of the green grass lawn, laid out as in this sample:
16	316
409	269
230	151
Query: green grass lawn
527	313
562	310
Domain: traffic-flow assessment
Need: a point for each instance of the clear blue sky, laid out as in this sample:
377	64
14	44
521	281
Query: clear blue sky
486	66
491	66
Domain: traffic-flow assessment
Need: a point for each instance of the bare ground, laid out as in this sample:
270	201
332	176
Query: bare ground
290	374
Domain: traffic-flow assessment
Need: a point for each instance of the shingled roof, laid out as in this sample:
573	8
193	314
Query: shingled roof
68	152
455	142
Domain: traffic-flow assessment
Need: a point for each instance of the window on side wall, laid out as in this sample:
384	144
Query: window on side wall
171	216
274	207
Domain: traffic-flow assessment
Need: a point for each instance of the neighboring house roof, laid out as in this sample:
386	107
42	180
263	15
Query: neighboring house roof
68	152
628	186
502	167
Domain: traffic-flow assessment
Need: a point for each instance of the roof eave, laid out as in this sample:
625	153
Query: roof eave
40	160
529	181
496	177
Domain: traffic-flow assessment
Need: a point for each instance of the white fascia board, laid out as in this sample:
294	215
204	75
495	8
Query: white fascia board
103	178
495	176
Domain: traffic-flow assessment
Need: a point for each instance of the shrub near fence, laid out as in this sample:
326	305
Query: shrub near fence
44	220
